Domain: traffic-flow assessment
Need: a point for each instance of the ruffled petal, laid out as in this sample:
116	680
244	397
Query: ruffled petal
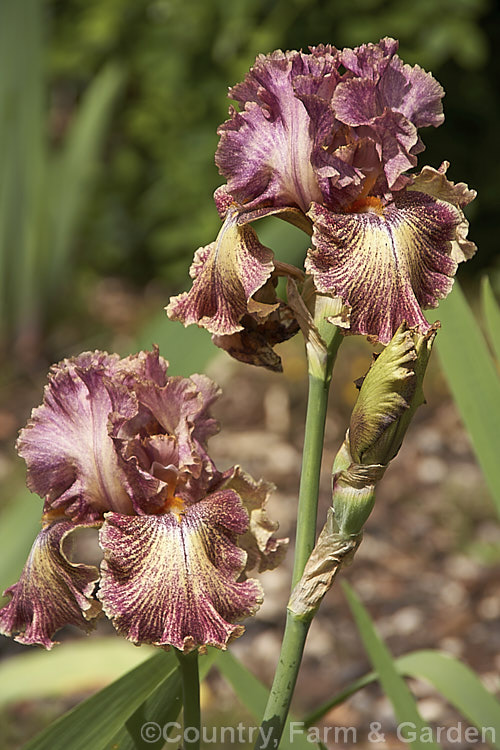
385	100
434	182
413	92
52	591
145	366
264	551
381	80
395	138
204	425
386	262
173	579
226	274
265	150
164	450
370	60
70	456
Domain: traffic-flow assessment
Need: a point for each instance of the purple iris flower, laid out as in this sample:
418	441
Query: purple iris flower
120	446
325	140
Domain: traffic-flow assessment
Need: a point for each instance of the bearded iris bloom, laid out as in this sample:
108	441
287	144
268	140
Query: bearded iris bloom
325	140
120	446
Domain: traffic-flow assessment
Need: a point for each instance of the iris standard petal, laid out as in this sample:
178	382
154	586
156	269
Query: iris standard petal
175	433
52	591
265	150
386	262
70	456
172	579
386	100
388	83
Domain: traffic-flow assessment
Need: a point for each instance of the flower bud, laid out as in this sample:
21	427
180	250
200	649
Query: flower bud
388	398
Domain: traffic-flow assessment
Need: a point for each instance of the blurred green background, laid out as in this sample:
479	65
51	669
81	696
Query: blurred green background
108	117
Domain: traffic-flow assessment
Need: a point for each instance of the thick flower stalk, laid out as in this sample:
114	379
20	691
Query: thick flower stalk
325	140
120	446
389	396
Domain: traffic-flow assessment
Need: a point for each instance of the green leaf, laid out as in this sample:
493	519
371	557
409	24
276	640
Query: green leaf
491	311
162	707
19	525
73	173
394	686
473	381
452	679
341	697
93	723
22	158
253	694
73	667
459	685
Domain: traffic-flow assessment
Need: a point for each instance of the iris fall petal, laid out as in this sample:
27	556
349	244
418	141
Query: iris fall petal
386	262
52	591
172	579
226	274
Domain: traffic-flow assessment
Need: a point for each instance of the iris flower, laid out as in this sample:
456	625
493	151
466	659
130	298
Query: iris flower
325	140
120	446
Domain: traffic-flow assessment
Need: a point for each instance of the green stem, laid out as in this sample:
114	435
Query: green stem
309	479
190	679
296	629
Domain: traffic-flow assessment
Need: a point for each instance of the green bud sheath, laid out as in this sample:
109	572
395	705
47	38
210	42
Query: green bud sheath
389	396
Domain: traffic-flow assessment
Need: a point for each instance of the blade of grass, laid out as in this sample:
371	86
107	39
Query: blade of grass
341	697
405	707
460	686
23	159
161	708
473	381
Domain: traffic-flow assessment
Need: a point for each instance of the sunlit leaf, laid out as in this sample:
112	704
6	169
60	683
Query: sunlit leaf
73	172
459	685
22	158
73	667
161	708
453	680
403	703
93	723
473	381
